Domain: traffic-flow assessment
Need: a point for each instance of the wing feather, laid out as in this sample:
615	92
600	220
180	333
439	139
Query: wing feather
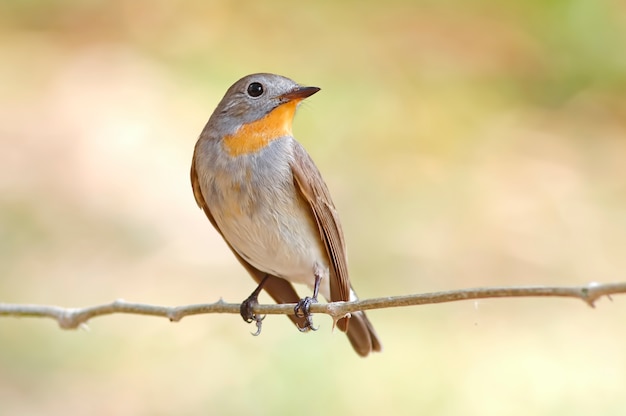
312	187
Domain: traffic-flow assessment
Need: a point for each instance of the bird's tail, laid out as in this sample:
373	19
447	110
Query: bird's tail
361	333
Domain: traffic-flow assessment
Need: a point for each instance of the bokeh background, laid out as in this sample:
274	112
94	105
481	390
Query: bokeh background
466	143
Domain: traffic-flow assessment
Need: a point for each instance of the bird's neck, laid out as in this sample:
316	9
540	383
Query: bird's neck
254	136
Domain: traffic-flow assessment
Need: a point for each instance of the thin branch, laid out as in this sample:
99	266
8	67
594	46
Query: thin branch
71	318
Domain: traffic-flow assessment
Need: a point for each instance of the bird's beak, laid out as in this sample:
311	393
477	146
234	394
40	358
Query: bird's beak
299	93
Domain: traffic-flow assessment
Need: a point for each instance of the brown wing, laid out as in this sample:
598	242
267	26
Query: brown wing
309	182
314	190
279	289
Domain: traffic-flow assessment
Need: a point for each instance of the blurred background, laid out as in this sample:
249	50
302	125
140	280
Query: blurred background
466	143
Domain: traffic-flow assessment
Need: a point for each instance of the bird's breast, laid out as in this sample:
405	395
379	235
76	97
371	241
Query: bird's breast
257	208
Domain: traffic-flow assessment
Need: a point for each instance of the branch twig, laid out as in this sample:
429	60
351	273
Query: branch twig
71	318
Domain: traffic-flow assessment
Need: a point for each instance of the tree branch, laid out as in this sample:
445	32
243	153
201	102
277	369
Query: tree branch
71	318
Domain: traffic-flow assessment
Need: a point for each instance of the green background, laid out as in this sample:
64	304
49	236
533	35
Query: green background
466	143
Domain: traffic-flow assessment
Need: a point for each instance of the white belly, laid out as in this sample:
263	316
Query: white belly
274	232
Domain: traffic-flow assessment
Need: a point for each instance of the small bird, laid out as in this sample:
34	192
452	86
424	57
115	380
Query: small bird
262	192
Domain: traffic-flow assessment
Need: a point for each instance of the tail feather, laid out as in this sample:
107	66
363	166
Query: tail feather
361	334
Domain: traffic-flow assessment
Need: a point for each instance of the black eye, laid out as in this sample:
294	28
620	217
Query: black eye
255	89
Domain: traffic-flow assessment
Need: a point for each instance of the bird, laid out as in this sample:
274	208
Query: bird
265	196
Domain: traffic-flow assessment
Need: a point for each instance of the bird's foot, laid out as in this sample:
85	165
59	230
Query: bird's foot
303	310
246	310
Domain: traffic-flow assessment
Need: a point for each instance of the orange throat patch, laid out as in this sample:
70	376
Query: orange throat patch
254	136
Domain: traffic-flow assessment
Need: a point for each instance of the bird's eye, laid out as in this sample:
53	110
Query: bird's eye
255	89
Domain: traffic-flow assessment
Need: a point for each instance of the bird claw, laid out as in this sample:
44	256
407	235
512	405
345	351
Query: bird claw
246	310
303	310
259	323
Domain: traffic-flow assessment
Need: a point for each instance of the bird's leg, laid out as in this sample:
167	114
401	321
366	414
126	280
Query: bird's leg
303	308
246	310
